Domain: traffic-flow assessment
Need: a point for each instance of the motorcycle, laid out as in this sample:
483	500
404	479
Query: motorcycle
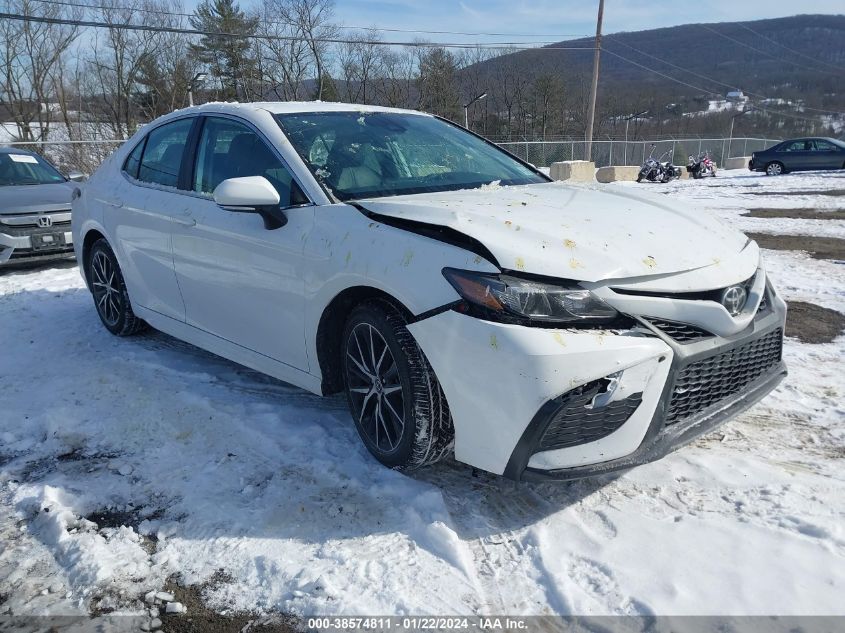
701	166
657	169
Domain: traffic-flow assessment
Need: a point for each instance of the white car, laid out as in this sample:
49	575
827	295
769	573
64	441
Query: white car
461	300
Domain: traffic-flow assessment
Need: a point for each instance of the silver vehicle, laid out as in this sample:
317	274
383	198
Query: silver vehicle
34	208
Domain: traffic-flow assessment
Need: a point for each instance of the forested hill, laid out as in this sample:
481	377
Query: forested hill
798	59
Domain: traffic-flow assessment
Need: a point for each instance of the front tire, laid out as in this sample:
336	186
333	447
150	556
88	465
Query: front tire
775	169
109	291
397	403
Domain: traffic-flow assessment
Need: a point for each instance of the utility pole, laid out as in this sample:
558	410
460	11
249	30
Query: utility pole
591	115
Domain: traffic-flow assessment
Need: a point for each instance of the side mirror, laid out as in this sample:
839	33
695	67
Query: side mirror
77	176
252	194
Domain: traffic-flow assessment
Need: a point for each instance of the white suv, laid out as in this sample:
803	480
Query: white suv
461	300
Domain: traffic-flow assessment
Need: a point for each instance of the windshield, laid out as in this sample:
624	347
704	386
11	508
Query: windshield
370	155
26	169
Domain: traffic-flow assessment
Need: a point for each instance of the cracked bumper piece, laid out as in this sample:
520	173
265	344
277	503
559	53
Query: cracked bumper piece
498	377
534	403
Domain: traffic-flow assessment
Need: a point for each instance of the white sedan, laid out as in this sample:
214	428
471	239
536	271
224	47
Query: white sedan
461	300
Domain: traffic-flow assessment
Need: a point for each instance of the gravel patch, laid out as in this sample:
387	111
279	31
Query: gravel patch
818	247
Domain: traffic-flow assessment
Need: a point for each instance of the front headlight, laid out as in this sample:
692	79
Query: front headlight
526	299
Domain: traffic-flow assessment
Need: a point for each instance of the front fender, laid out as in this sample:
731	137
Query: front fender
346	249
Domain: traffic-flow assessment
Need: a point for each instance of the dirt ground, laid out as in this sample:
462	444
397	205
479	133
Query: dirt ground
797	214
200	619
810	323
818	247
836	193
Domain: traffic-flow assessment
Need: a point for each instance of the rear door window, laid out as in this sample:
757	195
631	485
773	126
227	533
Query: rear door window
797	146
162	158
133	161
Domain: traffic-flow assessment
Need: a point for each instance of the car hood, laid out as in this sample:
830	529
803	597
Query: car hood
584	234
34	198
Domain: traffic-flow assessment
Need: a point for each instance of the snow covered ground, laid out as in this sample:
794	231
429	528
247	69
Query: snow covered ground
187	464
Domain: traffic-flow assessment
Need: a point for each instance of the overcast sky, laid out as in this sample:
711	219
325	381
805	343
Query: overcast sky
558	19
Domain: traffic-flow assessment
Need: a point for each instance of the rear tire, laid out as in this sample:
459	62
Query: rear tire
396	402
111	298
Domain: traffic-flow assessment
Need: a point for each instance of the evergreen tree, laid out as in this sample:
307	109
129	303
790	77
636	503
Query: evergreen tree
228	56
437	83
329	89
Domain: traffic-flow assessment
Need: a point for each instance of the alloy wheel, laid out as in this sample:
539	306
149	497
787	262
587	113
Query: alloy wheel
774	169
378	402
107	294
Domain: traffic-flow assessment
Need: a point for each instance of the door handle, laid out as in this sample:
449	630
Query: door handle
184	219
112	202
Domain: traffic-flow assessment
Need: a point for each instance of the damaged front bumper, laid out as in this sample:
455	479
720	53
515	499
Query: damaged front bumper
536	403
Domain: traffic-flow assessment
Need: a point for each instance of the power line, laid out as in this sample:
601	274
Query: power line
329	40
557	36
767	54
716	81
791	50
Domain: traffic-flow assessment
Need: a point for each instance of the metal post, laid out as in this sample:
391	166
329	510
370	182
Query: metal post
625	160
591	113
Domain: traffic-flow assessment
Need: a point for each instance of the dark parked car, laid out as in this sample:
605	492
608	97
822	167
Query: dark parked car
799	154
34	208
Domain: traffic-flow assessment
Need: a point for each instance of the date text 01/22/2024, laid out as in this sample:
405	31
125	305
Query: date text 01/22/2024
426	623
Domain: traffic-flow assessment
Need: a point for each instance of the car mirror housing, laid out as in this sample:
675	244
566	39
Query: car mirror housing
77	176
251	194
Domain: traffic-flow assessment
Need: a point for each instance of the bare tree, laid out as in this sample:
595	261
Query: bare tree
285	55
395	84
119	57
360	62
314	20
30	55
163	78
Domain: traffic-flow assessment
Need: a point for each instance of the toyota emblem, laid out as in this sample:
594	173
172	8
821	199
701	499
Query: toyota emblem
45	221
734	298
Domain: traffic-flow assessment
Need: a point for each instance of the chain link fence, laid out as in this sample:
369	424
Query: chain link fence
619	152
86	156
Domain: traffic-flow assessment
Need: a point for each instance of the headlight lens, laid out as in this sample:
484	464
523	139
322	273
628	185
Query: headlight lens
525	299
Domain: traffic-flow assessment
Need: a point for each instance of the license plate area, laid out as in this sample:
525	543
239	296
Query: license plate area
47	241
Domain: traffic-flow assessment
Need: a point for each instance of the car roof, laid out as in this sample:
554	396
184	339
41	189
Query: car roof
294	107
812	138
14	150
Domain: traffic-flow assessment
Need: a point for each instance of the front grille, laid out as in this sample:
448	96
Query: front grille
23	231
575	424
681	332
28	253
706	382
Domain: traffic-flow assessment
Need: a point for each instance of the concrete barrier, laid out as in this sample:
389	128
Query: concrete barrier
740	162
617	173
574	170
